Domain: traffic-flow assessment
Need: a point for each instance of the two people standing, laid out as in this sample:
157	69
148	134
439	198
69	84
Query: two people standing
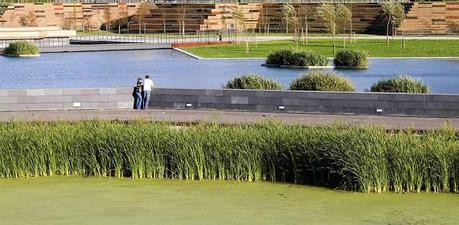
142	92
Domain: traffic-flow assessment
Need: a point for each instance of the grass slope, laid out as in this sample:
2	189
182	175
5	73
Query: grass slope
103	201
375	48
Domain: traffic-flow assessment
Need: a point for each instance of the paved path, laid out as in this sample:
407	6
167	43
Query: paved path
158	40
372	37
187	116
103	47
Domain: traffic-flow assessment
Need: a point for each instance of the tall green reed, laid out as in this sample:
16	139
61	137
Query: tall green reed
368	159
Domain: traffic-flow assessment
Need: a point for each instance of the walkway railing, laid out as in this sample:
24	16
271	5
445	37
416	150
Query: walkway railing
198	1
41	42
111	38
155	38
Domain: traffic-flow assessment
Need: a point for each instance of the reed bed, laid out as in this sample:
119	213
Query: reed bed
368	159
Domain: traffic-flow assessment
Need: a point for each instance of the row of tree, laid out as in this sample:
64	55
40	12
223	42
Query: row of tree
338	17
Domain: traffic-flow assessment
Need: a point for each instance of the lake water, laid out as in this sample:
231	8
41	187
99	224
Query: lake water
171	69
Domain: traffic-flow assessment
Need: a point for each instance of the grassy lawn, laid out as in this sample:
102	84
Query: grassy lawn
103	201
375	48
133	33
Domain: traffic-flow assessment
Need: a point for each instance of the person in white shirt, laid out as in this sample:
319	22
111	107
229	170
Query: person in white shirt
147	87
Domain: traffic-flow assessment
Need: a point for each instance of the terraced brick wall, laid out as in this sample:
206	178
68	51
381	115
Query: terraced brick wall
432	18
171	18
67	15
256	16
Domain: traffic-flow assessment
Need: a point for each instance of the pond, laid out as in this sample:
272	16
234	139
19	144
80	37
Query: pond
171	69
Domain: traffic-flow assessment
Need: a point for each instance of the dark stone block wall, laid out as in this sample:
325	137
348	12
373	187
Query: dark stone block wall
427	105
424	105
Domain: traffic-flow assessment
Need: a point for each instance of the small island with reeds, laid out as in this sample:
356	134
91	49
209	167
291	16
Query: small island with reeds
21	49
288	58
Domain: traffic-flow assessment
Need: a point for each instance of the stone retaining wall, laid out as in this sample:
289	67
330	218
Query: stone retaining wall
65	99
425	105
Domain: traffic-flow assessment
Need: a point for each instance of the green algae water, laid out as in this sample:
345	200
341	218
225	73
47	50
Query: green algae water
104	201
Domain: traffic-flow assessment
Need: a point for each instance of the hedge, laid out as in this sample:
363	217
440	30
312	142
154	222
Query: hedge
253	81
318	80
296	58
21	48
401	84
351	59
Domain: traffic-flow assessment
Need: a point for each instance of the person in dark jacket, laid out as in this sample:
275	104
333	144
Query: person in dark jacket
137	94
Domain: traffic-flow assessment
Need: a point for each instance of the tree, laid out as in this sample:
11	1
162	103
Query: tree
266	20
163	14
291	17
344	18
304	10
183	6
123	16
141	12
328	13
107	19
74	15
87	25
239	21
29	20
394	14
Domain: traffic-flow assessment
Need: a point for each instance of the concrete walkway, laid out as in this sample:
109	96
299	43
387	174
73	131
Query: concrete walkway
227	117
158	40
103	47
371	37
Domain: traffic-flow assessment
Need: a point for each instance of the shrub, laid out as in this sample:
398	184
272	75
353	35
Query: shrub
322	81
352	59
338	156
21	48
253	81
296	58
401	84
314	59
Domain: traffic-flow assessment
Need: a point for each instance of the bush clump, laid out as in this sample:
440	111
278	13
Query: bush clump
296	58
322	81
253	81
401	84
351	59
367	159
21	48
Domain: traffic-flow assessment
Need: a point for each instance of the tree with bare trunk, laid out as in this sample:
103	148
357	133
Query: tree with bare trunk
107	19
163	14
264	18
344	18
327	12
141	13
29	20
223	20
305	26
290	16
123	17
239	22
74	15
182	9
394	14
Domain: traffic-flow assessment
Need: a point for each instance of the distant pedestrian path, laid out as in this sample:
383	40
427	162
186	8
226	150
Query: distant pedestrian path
231	117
